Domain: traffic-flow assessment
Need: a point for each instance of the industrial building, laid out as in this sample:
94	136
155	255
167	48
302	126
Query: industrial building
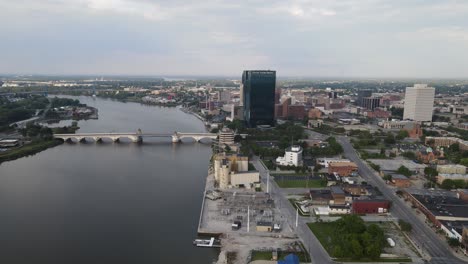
232	171
444	176
451	169
371	206
438	205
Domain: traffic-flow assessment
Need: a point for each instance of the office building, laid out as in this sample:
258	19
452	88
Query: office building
362	94
292	157
419	102
226	136
370	102
259	97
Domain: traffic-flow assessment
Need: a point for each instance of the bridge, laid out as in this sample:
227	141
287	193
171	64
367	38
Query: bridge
134	137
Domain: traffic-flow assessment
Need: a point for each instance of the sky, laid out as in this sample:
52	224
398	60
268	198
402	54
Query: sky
310	38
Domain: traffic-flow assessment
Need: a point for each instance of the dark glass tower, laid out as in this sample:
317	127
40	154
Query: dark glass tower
259	97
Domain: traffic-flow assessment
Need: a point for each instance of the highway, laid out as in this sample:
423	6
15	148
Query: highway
318	254
425	238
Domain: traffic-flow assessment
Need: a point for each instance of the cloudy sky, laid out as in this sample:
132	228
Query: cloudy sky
317	38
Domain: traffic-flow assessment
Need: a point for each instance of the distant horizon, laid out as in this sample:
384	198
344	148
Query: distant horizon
233	77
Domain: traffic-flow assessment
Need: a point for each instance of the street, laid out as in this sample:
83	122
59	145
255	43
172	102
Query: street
318	254
421	234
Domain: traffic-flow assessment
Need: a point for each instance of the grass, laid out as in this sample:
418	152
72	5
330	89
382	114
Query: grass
301	183
28	149
392	260
266	255
293	202
323	230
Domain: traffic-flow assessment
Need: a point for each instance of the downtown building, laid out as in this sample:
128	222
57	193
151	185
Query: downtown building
259	97
419	103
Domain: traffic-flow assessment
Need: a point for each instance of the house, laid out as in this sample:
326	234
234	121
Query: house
356	189
338	195
462	194
400	181
322	197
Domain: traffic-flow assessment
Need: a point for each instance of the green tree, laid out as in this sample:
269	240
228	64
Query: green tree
402	134
453	242
405	226
356	249
404	171
390	139
409	155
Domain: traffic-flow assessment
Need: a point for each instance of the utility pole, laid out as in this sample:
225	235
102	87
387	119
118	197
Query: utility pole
297	215
248	218
268	181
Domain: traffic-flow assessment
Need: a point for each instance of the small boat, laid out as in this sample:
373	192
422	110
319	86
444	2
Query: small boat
207	242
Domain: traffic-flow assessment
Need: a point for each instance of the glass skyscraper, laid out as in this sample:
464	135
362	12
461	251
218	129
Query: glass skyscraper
259	97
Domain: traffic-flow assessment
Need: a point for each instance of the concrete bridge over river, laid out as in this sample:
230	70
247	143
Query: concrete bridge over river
134	137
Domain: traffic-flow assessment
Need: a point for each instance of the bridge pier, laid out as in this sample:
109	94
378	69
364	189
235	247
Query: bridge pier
81	139
175	139
116	139
138	139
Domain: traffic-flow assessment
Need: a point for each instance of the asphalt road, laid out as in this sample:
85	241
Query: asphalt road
421	234
318	254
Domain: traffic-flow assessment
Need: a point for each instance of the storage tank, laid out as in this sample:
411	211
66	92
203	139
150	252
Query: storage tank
390	242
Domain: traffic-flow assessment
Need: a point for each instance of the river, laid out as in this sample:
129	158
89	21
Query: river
108	202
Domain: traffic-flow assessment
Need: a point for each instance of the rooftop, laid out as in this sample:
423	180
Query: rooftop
444	206
393	165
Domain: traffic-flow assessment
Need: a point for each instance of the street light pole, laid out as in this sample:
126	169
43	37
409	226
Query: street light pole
248	218
297	215
268	181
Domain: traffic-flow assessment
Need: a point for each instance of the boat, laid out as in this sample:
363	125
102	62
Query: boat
212	242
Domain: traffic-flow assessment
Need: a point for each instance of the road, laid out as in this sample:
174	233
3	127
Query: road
318	254
421	234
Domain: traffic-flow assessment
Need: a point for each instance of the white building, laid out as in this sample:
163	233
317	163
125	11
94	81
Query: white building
419	102
292	157
325	162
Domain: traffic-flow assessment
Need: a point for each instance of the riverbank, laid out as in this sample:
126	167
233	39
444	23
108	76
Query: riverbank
28	149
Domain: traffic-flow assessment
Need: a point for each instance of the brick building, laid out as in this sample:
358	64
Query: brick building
342	168
370	206
314	113
400	181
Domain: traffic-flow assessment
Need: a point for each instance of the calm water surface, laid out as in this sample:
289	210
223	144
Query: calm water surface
108	203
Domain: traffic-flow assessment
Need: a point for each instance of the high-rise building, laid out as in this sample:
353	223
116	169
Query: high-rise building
241	95
370	102
277	95
419	102
361	94
259	97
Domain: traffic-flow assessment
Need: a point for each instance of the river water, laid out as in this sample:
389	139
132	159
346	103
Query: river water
109	202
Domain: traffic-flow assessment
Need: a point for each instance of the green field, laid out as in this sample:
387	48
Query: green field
28	149
301	183
324	232
266	255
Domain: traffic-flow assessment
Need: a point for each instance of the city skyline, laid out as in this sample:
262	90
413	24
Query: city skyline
348	39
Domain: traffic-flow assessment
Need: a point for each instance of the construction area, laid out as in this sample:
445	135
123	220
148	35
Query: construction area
245	220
